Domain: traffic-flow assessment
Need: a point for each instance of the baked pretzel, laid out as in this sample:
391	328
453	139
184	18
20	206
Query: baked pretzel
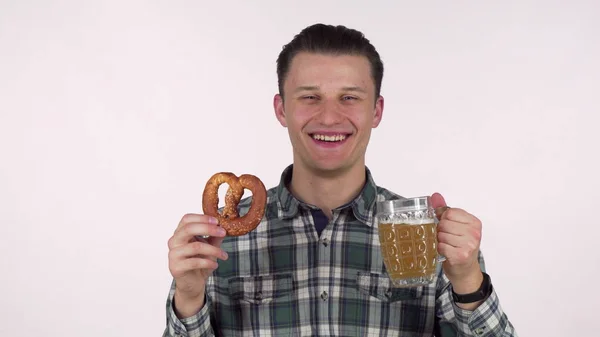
230	220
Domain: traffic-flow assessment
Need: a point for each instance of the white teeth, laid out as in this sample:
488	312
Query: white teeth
335	138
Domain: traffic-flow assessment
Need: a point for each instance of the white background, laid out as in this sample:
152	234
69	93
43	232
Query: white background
114	114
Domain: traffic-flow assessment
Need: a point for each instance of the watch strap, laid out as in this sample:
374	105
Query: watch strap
485	289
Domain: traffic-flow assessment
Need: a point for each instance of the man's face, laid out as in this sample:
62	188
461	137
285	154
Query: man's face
329	109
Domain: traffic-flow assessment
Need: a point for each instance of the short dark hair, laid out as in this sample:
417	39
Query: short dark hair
334	40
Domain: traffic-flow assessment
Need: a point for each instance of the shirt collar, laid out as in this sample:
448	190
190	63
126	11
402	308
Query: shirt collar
362	206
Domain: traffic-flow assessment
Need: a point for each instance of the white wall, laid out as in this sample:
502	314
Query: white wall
112	117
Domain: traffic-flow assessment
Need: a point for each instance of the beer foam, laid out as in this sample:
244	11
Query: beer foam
412	221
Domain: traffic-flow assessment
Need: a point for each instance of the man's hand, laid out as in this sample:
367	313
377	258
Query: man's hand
192	260
459	237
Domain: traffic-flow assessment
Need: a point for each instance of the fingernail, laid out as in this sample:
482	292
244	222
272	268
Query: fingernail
221	231
213	220
225	255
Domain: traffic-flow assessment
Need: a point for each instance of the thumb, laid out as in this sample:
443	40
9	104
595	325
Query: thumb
437	200
438	203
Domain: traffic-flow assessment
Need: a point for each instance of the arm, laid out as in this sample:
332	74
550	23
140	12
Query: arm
193	252
194	325
484	318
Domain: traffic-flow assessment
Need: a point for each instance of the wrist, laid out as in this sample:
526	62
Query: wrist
186	306
472	300
468	283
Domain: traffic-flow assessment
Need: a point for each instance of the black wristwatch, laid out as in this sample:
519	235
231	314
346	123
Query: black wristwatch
481	294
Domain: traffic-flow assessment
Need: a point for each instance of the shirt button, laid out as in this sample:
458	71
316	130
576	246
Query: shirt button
325	242
324	296
258	296
480	331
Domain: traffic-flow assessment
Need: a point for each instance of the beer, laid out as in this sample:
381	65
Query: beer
408	239
409	251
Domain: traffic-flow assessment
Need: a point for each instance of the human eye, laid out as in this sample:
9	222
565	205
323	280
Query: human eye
309	99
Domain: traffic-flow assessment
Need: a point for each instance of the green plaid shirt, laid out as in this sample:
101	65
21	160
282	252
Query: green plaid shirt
282	279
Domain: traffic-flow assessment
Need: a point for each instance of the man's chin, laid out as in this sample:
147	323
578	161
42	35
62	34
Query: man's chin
329	169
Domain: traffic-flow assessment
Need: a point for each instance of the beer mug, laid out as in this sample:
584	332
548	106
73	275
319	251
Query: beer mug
408	238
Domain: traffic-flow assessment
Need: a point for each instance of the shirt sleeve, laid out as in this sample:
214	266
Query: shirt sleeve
487	320
194	326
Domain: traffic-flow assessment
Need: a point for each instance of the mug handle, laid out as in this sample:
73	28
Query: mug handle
439	211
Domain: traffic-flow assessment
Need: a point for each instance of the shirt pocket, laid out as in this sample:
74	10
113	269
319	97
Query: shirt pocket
380	287
261	289
260	303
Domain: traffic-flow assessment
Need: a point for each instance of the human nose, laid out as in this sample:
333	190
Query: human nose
329	114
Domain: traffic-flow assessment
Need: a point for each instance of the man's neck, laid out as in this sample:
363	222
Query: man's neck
327	191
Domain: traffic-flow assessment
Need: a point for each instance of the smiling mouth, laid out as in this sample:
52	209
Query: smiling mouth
335	138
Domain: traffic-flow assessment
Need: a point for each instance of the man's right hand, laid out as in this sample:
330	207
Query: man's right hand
192	260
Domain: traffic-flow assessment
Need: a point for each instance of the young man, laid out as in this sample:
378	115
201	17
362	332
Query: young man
313	266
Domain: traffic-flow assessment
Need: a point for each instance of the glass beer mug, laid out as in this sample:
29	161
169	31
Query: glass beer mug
408	237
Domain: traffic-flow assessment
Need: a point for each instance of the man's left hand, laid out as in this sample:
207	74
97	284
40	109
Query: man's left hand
459	237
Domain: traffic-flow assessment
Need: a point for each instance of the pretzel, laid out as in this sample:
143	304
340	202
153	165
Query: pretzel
230	220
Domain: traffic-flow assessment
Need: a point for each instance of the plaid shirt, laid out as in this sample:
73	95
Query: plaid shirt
282	279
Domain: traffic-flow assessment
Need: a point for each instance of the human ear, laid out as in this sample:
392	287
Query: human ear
378	112
279	110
